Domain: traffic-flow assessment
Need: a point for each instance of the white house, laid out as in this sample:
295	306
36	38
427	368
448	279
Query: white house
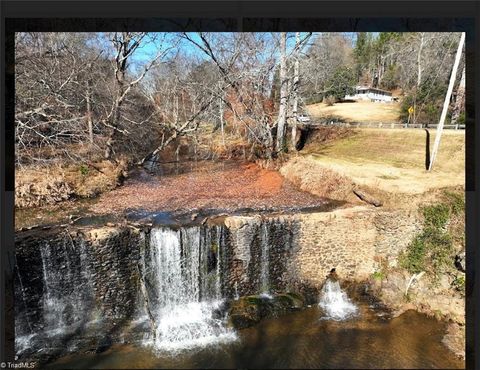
370	93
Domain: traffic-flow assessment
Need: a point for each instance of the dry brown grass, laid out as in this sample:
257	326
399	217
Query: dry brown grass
394	160
308	176
388	164
362	111
51	184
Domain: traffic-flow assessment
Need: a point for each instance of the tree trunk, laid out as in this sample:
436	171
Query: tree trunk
419	60
296	78
89	114
222	122
419	76
460	99
121	65
282	112
113	124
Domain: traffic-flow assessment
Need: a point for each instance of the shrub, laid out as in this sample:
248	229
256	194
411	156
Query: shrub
378	275
436	216
330	100
433	250
459	283
413	259
84	170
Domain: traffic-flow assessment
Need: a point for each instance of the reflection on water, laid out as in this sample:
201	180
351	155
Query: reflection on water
181	167
302	340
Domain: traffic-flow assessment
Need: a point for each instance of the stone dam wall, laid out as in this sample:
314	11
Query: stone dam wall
305	247
94	279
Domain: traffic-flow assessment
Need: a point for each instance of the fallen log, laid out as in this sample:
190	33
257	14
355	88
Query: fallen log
367	198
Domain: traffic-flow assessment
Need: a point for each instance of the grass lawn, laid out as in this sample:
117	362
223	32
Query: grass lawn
362	111
394	160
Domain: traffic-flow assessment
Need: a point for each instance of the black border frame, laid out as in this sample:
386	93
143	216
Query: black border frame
451	16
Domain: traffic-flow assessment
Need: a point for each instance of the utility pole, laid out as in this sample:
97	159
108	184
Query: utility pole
447	101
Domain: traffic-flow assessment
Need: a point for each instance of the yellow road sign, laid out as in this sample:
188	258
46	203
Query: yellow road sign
410	110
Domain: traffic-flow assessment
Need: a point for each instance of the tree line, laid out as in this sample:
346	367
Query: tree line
416	64
86	96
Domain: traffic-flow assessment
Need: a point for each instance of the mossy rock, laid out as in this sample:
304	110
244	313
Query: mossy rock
249	310
295	300
245	312
254	299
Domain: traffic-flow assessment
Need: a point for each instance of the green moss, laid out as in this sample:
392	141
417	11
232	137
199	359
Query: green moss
378	275
459	283
295	296
253	299
83	170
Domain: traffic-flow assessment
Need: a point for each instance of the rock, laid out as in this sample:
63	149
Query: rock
444	282
460	263
248	311
454	339
104	344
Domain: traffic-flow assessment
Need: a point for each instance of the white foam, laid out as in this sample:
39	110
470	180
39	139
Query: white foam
335	302
23	342
188	326
183	318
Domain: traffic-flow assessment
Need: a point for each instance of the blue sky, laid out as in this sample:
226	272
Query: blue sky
149	49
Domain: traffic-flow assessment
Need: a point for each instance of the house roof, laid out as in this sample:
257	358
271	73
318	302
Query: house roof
380	91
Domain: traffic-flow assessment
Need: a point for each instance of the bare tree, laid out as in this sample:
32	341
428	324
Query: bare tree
125	44
282	113
50	77
459	106
296	78
326	53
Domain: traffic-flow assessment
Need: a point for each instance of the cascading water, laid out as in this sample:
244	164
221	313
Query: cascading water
265	263
183	272
67	290
335	302
66	300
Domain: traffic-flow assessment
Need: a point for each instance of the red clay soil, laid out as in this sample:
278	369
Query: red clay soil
207	185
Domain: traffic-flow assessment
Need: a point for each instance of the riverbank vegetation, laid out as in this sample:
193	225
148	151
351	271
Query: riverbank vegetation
440	247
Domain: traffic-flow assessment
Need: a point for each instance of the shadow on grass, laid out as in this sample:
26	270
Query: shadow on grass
427	149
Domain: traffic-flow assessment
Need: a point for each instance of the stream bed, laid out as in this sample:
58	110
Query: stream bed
300	339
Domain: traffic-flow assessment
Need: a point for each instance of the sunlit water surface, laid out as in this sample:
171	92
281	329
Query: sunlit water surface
302	339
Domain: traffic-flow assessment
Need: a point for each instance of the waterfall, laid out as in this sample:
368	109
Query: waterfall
61	303
182	272
335	302
67	289
265	262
